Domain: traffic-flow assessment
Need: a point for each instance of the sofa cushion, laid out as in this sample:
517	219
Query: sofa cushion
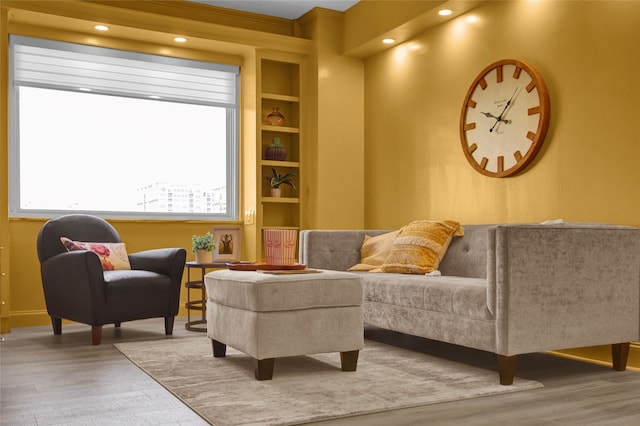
467	256
461	296
375	250
420	246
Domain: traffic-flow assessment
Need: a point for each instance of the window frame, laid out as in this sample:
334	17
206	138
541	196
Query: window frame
232	144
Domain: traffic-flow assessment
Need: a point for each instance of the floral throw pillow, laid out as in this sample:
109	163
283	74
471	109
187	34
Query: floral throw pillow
420	246
112	255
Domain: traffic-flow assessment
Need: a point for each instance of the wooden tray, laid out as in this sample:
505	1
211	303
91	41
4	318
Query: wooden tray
243	266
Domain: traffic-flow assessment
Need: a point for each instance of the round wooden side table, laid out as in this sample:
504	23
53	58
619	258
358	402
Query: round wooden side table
200	301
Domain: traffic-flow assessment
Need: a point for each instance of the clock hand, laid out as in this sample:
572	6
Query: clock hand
499	119
489	115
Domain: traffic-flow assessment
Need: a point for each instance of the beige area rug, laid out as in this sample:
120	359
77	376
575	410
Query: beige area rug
307	388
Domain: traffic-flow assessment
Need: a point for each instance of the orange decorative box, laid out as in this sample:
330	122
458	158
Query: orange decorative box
280	246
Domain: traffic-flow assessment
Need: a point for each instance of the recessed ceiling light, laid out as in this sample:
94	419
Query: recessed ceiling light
389	40
445	12
84	89
101	28
179	39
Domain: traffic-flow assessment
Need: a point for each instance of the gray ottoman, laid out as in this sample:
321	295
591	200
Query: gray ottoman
269	316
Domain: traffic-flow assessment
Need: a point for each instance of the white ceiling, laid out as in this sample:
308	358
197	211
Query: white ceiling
289	9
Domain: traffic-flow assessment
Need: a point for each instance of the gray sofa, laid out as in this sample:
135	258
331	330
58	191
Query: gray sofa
507	289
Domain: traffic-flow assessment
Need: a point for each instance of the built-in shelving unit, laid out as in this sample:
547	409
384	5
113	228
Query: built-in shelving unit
279	86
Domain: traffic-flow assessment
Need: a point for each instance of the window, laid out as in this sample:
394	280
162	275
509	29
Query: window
121	134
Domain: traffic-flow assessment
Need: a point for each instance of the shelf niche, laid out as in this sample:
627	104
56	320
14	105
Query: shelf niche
279	87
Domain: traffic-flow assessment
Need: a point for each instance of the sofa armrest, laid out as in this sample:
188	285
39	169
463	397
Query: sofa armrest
335	250
565	286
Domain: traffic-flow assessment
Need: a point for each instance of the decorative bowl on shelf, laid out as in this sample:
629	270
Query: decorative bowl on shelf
275	117
275	151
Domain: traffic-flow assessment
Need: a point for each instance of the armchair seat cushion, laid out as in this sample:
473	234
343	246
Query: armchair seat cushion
137	277
134	294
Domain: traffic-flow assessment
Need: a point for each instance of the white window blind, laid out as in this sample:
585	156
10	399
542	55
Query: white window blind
121	134
68	66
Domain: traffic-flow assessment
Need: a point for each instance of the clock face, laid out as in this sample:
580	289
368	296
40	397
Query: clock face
504	118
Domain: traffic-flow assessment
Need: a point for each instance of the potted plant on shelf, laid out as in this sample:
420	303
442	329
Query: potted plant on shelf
277	179
203	246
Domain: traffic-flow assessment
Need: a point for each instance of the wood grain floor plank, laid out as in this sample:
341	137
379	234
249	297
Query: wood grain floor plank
64	380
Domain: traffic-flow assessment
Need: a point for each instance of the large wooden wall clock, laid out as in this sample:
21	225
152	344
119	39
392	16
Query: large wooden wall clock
504	119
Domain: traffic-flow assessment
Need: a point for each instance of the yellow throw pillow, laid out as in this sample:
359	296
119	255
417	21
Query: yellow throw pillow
420	246
112	255
374	251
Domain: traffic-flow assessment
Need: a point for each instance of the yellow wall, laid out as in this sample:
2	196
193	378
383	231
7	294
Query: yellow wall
588	167
384	144
335	146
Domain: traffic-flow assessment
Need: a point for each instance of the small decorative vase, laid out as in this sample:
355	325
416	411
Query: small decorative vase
276	192
275	117
204	256
275	151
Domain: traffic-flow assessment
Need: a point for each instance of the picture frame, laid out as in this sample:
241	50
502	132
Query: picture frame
228	241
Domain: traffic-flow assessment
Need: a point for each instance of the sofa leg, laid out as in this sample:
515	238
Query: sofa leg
219	348
620	355
506	369
57	325
349	360
168	325
96	334
264	368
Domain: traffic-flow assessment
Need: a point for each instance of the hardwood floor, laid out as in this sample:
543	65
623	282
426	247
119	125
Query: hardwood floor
64	380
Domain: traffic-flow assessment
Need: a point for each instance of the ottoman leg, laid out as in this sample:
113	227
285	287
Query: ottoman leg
219	349
264	368
349	360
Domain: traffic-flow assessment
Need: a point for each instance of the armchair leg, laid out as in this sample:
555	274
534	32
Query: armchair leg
620	355
96	334
57	325
168	325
